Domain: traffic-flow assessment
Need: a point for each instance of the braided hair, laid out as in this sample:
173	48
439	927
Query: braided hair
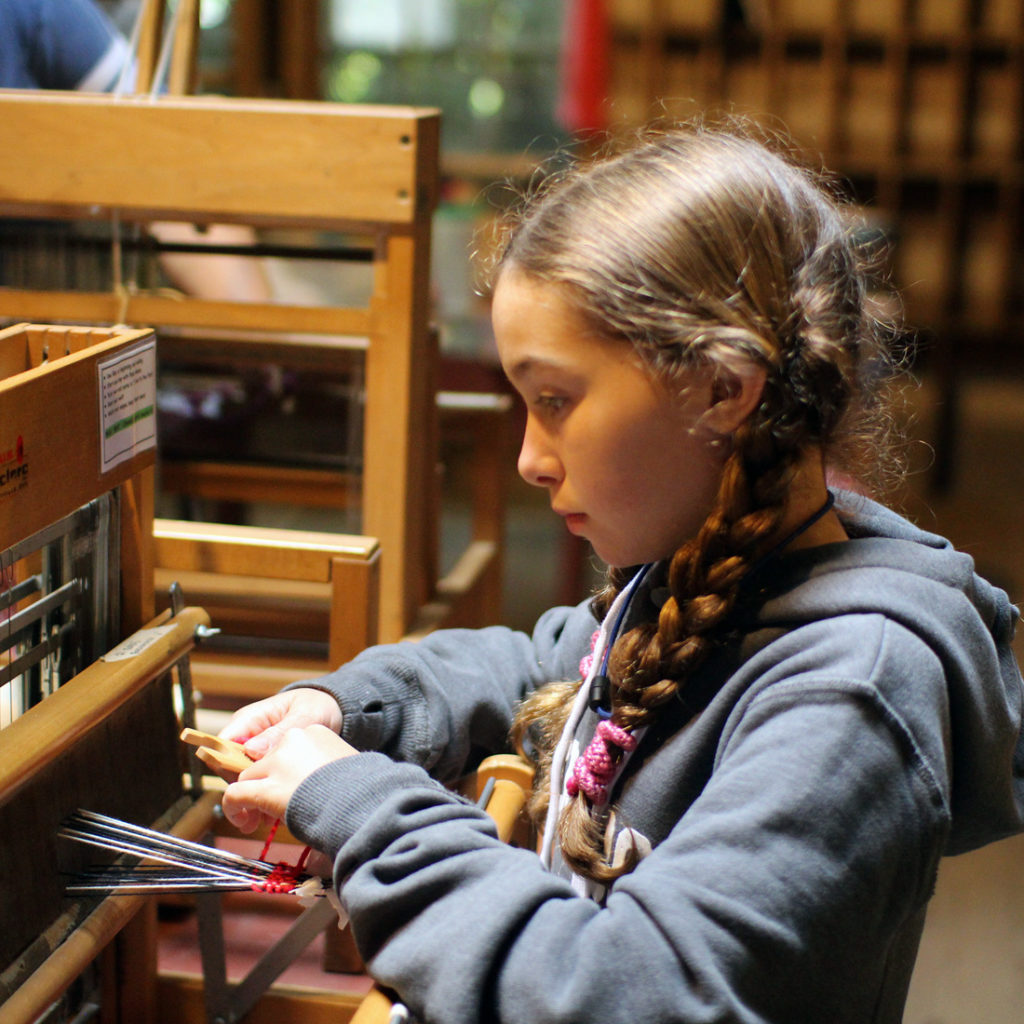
706	248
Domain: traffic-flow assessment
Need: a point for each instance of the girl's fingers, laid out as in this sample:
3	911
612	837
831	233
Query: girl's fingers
242	805
260	726
254	718
319	864
263	790
265	740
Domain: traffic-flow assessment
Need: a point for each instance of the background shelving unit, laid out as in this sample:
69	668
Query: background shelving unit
915	104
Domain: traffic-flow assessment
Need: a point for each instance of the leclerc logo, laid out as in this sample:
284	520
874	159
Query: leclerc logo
13	467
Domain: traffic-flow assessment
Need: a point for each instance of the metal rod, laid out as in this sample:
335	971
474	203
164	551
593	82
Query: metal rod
189	866
132	887
188	701
156	845
20	591
116	826
33	656
20	621
163	856
47	535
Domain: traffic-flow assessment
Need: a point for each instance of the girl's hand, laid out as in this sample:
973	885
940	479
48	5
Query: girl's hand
263	790
260	726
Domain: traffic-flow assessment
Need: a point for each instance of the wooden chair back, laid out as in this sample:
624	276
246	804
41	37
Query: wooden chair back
318	591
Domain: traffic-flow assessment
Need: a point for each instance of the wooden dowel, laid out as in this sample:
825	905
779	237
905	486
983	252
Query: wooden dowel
507	800
375	1008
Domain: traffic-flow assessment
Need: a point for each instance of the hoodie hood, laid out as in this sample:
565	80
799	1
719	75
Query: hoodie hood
920	581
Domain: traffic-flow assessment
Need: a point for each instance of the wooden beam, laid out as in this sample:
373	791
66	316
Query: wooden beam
255	551
39	735
352	325
210	159
180	1001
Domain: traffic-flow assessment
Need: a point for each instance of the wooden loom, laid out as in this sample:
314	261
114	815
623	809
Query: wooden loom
243	557
106	739
366	173
76	417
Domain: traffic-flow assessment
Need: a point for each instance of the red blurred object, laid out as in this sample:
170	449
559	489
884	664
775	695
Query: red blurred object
583	108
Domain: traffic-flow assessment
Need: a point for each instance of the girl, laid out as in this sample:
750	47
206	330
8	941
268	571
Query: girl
794	703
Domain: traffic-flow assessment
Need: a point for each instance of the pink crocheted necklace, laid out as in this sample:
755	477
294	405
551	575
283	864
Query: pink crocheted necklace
593	665
595	769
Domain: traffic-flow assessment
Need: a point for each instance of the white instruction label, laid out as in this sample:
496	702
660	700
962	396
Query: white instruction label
127	405
136	643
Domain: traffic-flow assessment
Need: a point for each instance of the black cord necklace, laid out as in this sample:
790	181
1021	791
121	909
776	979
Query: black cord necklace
800	530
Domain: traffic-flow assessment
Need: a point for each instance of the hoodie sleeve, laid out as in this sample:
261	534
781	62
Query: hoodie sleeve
434	701
775	897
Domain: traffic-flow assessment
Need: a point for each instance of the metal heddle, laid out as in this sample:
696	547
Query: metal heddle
56	603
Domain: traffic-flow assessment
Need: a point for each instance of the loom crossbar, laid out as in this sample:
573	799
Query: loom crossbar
50	729
107	739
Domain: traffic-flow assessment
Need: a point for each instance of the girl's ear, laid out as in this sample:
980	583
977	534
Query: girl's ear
735	394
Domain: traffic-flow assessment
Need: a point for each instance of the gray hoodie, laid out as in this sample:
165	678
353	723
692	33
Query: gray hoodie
863	721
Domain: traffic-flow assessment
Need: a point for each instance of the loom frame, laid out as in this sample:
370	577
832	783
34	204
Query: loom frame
365	170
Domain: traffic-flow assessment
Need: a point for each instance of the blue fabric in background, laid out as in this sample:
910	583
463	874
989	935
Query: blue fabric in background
58	44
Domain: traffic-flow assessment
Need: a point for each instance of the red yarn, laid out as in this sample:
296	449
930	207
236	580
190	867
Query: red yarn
285	877
270	839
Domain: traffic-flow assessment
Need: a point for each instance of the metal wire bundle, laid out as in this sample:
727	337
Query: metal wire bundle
181	866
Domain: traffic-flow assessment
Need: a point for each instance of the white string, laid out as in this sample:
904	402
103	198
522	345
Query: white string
166	47
125	83
126	80
560	757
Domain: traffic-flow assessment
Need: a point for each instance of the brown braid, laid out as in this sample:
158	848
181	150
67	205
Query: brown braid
701	248
650	664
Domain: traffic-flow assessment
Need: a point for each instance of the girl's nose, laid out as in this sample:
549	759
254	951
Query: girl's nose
538	464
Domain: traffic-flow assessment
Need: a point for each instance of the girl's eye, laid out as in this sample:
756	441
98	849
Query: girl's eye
552	403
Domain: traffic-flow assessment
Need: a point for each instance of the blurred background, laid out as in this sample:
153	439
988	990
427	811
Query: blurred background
914	104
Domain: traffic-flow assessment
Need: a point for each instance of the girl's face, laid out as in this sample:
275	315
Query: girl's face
625	463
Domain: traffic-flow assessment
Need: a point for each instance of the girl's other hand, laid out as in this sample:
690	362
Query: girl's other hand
260	726
262	791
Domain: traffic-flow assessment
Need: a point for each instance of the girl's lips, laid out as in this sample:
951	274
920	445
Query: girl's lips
574	521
